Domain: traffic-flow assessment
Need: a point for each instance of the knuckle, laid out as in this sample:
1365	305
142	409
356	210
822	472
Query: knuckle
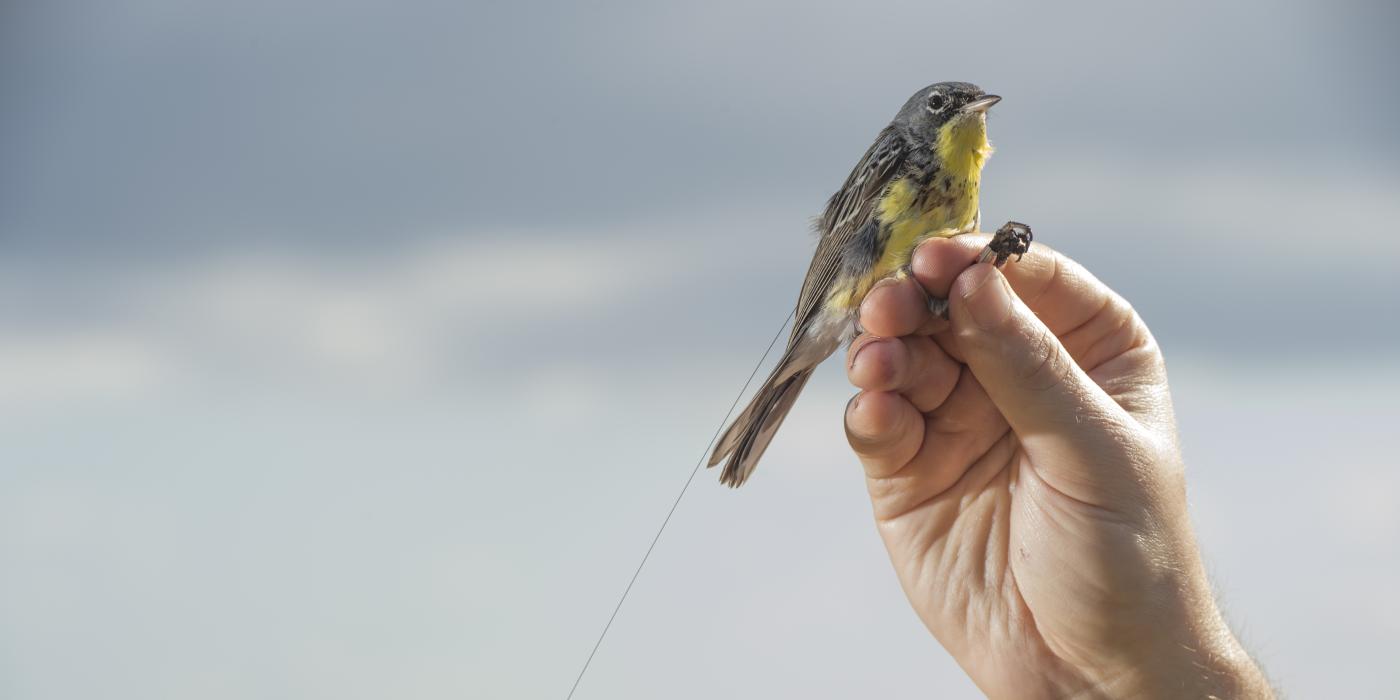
1047	365
1056	276
915	367
881	364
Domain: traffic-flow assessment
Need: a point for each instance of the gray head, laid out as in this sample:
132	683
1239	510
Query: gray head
938	104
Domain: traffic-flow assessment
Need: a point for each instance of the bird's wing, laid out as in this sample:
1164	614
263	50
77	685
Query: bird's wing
848	211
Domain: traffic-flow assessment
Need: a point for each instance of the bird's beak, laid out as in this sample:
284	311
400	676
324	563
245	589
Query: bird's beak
982	104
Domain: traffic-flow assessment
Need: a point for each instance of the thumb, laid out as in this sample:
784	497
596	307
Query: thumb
1067	424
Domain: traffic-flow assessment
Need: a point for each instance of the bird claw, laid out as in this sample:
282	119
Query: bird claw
938	307
1013	238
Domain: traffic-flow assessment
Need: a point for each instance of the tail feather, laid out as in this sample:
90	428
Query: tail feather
738	428
746	439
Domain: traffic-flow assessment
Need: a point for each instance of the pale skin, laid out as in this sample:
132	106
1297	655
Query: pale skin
1022	461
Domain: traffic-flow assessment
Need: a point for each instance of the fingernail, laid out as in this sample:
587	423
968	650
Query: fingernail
925	244
989	300
885	282
856	356
851	406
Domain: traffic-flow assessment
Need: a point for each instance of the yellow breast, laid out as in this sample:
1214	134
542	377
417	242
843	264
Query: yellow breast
947	206
911	216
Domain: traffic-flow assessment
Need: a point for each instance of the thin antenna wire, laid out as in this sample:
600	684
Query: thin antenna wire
677	502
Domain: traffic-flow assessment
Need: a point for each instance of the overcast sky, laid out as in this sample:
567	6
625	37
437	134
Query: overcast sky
356	349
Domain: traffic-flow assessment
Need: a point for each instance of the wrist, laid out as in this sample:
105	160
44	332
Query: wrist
1173	641
1188	649
1203	661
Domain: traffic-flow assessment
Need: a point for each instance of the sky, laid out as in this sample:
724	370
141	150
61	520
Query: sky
357	349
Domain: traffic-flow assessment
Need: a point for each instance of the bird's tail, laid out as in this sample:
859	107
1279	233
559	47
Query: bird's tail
748	436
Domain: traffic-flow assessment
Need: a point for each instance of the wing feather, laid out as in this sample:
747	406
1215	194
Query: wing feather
849	211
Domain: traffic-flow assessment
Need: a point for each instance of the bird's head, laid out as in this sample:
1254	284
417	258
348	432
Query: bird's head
952	118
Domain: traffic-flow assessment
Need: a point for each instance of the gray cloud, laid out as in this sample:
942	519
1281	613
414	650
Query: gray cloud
139	128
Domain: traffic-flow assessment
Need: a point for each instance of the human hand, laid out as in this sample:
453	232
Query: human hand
1022	461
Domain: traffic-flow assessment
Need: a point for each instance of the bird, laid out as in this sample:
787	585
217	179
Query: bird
919	179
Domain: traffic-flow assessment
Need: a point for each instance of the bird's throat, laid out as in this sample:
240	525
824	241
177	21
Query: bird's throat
963	147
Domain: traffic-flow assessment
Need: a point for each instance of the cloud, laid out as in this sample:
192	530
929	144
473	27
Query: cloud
41	368
401	320
173	133
1226	243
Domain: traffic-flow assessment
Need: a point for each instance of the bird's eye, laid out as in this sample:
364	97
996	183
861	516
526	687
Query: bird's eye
937	101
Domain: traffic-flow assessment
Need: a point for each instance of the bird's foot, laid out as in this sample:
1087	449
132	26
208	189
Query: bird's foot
1013	238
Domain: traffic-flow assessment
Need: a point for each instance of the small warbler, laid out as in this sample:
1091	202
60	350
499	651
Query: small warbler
918	180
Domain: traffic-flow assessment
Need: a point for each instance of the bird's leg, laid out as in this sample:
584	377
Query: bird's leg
1013	238
938	307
